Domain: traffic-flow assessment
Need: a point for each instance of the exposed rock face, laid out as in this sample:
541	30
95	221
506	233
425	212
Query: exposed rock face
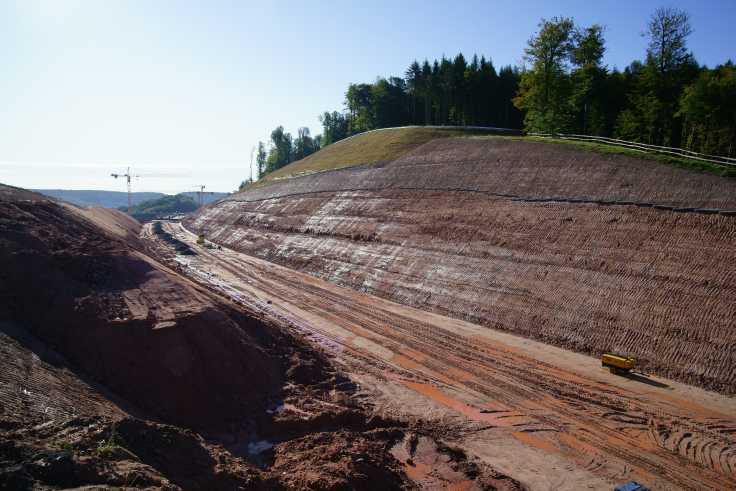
443	229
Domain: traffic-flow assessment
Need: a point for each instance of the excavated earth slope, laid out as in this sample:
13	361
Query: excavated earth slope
117	372
586	251
92	297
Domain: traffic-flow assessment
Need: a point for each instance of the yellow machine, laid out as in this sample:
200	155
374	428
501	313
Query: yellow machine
200	239
617	363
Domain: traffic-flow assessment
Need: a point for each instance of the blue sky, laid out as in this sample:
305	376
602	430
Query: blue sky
183	90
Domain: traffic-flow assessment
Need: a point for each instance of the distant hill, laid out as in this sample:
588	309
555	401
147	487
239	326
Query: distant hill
166	205
105	199
206	197
116	199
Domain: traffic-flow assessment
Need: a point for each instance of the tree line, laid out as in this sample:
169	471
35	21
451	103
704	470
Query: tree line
444	92
564	87
667	99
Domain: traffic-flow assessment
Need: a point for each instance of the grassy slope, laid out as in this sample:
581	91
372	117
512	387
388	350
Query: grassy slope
367	148
391	143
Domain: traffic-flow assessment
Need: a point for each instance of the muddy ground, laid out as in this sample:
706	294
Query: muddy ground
117	371
602	271
547	417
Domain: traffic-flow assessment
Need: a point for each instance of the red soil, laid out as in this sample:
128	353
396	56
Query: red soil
119	372
138	329
652	283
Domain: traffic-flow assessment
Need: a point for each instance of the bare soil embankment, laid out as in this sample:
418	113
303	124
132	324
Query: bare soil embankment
550	242
119	372
551	418
120	316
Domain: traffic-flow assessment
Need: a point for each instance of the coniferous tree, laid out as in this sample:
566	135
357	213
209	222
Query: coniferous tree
414	85
458	96
509	80
426	94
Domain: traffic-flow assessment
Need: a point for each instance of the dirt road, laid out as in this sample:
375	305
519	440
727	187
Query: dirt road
550	418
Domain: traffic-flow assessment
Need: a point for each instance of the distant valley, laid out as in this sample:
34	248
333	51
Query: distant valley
116	199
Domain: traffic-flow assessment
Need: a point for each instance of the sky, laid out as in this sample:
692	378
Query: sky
182	91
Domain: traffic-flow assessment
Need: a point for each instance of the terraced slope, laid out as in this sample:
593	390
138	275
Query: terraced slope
543	240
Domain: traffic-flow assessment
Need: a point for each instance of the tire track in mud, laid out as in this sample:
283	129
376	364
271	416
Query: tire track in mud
509	393
599	416
609	286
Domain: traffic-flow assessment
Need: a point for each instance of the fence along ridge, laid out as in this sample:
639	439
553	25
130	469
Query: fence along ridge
714	159
680	152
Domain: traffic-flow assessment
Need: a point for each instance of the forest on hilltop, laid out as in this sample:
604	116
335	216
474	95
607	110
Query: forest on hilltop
668	99
160	207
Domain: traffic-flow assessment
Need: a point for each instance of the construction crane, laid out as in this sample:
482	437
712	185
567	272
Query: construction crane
127	177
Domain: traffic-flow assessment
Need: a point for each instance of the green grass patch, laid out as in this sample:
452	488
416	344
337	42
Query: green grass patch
682	162
367	148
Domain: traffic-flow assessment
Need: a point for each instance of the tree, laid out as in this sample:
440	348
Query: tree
427	84
458	91
303	144
588	80
507	115
281	150
261	159
415	90
474	92
389	103
359	102
334	127
708	108
667	31
544	90
616	87
669	67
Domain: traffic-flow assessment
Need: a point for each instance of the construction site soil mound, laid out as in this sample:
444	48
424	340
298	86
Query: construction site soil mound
557	244
137	328
113	221
117	372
